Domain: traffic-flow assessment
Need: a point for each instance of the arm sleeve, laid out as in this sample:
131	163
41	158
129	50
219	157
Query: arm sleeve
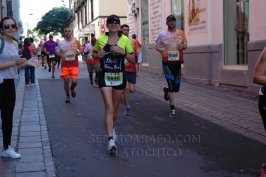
96	46
128	47
158	40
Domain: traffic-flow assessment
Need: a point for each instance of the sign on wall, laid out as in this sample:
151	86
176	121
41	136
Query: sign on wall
155	19
102	24
197	16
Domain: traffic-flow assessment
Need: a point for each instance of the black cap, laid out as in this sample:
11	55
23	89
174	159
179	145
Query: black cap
50	36
171	17
113	19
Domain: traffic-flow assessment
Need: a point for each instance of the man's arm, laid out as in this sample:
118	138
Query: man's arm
183	44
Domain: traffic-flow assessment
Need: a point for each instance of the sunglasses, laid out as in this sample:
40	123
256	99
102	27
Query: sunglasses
13	26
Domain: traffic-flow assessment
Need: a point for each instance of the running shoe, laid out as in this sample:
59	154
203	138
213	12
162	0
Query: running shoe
96	82
111	146
127	111
49	69
53	76
263	170
67	100
10	153
73	93
114	134
165	90
173	113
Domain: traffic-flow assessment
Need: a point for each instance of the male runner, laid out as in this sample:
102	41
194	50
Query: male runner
171	43
131	70
50	48
68	50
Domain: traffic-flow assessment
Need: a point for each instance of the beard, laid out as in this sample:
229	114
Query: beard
171	27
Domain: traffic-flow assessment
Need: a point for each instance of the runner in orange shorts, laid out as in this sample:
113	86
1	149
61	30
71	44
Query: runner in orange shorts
68	50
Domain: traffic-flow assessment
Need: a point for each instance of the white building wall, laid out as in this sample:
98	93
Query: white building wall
214	24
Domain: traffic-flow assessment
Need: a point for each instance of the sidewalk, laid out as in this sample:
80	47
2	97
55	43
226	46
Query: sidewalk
30	136
231	109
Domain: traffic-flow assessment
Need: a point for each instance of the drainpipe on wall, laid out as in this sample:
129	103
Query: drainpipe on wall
209	41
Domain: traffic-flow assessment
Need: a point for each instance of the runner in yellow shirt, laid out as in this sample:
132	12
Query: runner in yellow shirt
112	49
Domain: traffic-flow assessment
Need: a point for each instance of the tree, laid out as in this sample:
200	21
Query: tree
36	36
54	21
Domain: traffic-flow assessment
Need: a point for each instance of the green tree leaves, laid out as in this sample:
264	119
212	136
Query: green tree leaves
54	21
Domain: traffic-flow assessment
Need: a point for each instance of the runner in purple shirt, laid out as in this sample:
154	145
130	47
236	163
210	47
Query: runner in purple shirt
50	47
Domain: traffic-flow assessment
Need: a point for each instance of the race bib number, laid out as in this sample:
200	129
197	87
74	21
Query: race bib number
173	55
113	79
70	55
52	56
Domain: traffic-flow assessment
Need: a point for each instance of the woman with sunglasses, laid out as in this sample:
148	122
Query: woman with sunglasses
112	49
9	62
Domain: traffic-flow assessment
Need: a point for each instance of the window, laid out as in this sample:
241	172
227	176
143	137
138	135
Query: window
236	35
92	14
82	17
86	15
178	12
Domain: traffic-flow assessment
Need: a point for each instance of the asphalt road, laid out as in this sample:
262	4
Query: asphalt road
149	143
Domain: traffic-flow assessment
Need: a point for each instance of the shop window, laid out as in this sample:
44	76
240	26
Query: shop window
236	35
178	12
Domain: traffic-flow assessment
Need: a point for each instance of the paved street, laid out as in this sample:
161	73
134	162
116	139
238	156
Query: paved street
218	132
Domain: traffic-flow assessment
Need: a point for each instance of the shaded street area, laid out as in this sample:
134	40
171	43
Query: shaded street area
149	142
69	140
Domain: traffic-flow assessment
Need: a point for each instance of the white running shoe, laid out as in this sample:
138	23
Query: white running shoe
114	135
10	153
111	146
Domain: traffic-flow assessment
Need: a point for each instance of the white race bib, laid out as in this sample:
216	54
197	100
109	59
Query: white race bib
113	79
70	55
173	55
52	56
